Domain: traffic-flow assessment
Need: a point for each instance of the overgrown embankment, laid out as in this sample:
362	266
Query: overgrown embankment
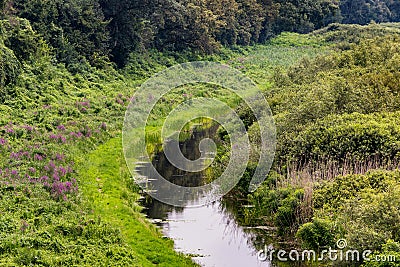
335	174
51	119
113	196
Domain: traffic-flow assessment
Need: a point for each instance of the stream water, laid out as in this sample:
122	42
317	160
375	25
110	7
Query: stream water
209	234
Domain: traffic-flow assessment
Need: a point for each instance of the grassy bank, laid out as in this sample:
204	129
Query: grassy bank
112	195
51	119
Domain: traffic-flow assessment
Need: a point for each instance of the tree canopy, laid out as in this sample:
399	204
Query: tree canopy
89	29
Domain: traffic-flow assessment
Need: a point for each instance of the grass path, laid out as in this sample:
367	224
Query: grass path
110	192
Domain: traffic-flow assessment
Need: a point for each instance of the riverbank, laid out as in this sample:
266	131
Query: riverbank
335	175
113	196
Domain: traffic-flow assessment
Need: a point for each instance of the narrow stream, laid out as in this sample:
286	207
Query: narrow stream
210	233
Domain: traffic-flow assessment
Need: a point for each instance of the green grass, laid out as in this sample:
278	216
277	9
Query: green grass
107	185
259	62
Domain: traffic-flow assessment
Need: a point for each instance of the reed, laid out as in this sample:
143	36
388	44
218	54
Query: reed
302	174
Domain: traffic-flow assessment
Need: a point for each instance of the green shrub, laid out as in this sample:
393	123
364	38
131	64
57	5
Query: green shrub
364	207
10	68
335	193
278	206
362	79
316	234
347	137
287	217
388	257
19	36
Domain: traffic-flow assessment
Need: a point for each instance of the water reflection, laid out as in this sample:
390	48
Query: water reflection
210	234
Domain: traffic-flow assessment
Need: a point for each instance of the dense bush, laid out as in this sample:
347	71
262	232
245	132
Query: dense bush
333	193
316	234
363	79
347	137
279	206
389	249
10	68
312	99
365	207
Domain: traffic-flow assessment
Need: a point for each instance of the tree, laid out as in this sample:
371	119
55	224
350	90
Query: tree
394	7
226	12
250	19
187	24
364	11
76	28
129	26
305	16
271	12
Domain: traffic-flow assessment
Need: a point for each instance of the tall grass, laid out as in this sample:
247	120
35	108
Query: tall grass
297	173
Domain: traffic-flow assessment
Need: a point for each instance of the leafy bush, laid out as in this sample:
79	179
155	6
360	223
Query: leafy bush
366	207
362	79
76	29
317	234
389	256
334	193
280	206
372	219
18	35
10	68
347	137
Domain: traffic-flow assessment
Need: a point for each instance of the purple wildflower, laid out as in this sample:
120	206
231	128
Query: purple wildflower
50	167
28	128
24	226
120	101
56	177
15	155
85	104
62	171
38	157
60	157
3	141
